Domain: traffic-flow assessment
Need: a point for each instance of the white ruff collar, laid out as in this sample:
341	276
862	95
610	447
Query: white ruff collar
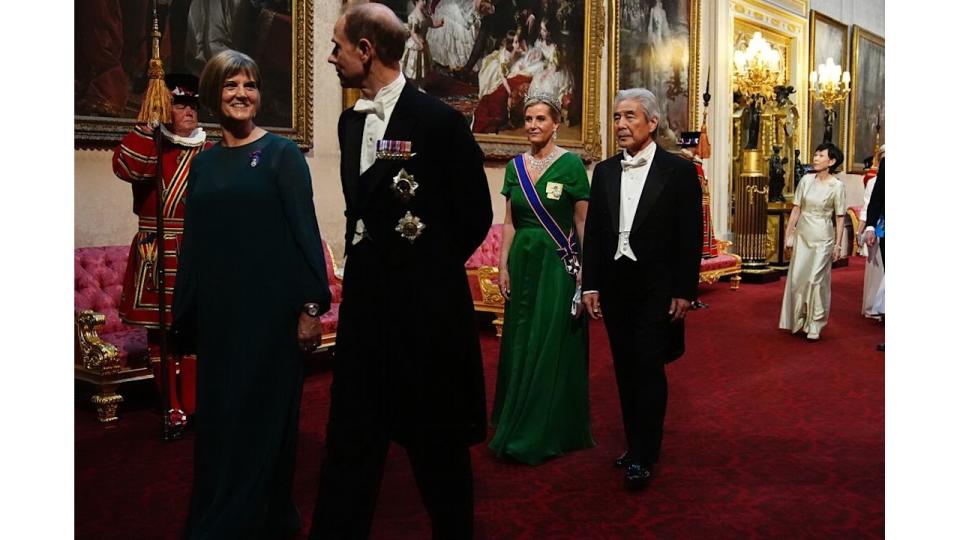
196	138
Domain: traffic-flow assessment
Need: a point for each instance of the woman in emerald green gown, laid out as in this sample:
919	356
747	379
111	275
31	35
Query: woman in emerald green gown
541	408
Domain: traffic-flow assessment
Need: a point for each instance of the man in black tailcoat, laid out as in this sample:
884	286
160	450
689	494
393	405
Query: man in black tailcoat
408	365
875	213
641	263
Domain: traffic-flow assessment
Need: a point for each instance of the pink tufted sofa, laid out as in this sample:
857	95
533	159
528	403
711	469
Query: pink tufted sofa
109	353
482	271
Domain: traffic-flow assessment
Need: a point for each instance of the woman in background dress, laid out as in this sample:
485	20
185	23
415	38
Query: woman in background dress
452	43
416	61
495	88
251	282
814	229
541	408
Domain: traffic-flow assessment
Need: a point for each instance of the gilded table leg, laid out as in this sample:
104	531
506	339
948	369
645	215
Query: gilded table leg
498	325
106	402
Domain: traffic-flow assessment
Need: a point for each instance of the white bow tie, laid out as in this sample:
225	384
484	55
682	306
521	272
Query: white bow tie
628	164
367	106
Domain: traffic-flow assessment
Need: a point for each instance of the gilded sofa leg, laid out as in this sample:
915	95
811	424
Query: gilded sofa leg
106	402
735	282
498	325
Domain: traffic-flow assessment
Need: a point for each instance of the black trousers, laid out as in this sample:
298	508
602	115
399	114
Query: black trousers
643	405
642	342
350	482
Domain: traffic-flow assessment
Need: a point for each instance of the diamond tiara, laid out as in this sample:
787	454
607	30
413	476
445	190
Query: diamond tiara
542	97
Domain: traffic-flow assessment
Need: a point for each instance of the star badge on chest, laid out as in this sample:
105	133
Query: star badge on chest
404	185
410	227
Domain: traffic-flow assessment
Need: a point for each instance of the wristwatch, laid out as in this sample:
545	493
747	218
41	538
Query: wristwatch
311	309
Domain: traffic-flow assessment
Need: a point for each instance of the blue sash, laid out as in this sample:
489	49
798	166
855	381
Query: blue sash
565	249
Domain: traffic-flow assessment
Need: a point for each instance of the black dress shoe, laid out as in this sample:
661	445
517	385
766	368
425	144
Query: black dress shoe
637	476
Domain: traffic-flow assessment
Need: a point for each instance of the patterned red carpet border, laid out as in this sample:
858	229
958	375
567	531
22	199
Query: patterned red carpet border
767	436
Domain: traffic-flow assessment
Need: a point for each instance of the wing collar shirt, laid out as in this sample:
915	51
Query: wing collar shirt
632	179
378	113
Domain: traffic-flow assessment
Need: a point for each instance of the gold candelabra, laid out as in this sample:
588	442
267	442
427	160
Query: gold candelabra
830	87
756	68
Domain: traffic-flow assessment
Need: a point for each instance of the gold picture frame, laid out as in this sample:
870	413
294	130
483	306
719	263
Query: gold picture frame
867	97
828	38
629	27
580	135
99	123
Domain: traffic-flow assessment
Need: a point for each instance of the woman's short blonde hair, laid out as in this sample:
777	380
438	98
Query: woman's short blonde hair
221	67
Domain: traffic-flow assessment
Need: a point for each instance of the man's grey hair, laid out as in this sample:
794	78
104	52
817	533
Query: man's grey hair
648	101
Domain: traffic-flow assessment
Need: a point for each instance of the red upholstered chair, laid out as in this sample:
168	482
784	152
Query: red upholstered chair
724	264
107	352
482	272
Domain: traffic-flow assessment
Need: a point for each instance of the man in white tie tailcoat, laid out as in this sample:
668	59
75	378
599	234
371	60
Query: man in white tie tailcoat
408	367
641	265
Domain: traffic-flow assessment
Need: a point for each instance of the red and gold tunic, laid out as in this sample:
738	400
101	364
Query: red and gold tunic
709	242
710	248
135	161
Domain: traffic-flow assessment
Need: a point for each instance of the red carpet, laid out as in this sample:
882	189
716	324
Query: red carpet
767	436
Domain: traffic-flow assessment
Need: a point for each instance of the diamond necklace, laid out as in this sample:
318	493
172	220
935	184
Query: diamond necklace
540	165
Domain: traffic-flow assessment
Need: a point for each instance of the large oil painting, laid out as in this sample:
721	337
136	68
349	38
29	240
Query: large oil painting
112	45
483	57
866	98
656	46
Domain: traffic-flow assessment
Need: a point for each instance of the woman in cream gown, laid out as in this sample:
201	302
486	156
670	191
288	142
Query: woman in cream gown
816	223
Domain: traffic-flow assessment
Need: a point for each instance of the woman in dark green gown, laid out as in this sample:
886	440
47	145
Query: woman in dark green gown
541	408
252	280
